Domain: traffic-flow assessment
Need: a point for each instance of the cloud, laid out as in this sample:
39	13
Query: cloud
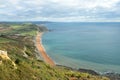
60	10
2	6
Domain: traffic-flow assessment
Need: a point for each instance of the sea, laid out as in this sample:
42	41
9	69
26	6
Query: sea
87	45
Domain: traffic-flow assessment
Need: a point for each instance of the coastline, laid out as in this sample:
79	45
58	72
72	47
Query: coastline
49	61
42	51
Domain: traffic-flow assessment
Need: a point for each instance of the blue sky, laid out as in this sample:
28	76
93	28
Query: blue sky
60	10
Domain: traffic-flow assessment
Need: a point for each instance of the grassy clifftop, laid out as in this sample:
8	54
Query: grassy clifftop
17	40
20	29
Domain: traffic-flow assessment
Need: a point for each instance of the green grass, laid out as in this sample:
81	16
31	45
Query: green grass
32	33
16	27
21	29
4	40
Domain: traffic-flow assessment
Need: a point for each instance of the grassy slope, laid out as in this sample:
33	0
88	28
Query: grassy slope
28	67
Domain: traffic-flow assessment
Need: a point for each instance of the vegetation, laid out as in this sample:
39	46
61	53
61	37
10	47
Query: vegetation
17	40
20	29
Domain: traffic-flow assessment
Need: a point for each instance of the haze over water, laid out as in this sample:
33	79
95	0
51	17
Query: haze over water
93	46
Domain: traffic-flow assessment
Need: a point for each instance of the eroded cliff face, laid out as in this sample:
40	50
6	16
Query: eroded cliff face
4	57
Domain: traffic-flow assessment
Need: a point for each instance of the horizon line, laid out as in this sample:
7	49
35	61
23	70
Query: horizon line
59	21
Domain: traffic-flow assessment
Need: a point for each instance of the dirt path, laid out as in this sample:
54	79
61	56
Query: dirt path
40	48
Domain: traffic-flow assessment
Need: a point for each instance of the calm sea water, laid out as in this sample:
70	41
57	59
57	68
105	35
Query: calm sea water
93	46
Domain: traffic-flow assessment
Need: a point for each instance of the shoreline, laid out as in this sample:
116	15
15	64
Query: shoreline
42	51
49	61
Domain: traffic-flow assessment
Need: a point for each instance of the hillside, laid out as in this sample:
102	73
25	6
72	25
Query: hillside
23	60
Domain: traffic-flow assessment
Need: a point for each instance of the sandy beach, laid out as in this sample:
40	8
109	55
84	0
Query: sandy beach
43	53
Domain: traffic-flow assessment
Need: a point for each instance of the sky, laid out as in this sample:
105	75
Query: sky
60	10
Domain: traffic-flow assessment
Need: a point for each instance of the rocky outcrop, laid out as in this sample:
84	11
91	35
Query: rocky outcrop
113	76
4	56
89	71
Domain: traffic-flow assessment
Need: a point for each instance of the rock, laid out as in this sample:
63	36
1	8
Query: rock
4	56
88	71
113	76
0	62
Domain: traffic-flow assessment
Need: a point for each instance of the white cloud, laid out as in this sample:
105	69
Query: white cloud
74	10
15	2
2	6
74	19
86	4
35	2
